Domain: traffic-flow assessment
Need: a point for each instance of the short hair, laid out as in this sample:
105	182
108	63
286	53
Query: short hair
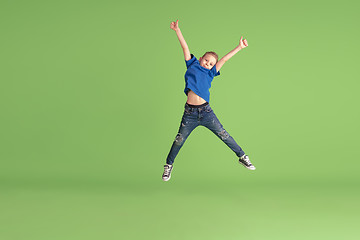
213	54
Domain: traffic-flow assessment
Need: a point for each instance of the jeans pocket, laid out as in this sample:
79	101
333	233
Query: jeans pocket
187	111
208	110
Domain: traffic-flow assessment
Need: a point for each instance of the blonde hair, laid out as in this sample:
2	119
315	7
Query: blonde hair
213	54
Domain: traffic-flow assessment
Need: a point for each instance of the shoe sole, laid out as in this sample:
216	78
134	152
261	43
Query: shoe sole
165	180
247	166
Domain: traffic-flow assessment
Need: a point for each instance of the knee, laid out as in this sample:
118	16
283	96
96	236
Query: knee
179	139
223	134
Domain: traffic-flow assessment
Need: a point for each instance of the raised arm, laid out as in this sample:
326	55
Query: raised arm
175	26
242	44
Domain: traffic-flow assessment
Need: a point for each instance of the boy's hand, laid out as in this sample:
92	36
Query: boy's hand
174	25
243	43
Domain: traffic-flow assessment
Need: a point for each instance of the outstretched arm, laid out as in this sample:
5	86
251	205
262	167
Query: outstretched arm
175	26
242	44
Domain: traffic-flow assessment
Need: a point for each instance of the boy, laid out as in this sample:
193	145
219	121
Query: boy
198	78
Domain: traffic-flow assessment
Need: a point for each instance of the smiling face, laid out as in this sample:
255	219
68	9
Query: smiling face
207	61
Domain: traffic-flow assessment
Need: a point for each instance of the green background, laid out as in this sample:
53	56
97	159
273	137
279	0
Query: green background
91	98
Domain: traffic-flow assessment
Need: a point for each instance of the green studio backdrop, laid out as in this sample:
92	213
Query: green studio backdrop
91	100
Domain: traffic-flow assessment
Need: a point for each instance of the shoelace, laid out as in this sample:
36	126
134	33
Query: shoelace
246	160
167	170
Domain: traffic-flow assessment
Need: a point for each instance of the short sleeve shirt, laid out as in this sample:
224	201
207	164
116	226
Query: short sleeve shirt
198	79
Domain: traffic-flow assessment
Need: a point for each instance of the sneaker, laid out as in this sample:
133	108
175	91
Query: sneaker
245	161
167	172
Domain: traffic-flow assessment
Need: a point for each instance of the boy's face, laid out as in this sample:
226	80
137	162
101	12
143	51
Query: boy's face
208	61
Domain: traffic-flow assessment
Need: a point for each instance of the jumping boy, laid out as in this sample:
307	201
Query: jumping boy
198	78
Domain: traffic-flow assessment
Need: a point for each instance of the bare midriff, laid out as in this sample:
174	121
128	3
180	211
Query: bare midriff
194	99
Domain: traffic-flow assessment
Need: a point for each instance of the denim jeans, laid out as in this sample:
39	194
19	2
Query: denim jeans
200	116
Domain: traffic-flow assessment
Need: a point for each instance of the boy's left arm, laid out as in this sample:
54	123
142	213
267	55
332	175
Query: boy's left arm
243	43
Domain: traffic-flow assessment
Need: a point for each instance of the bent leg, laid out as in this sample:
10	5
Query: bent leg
213	124
186	127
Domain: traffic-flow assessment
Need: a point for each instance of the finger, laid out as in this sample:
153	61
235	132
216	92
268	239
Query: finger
241	39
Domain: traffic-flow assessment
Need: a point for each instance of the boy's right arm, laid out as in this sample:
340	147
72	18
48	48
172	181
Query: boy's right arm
175	26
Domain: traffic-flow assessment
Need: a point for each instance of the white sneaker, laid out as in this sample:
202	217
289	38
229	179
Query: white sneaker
245	161
167	172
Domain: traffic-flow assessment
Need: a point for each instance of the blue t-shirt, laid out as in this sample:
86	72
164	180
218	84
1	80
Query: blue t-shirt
198	78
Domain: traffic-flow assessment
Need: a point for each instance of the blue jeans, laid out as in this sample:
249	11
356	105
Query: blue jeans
204	116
